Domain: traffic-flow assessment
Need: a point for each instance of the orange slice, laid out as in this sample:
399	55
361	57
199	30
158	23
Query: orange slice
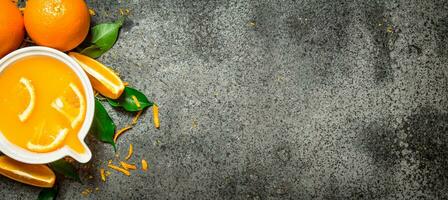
36	175
57	141
41	145
71	104
29	87
103	79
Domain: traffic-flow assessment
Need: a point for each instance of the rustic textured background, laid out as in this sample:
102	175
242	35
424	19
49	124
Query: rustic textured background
284	99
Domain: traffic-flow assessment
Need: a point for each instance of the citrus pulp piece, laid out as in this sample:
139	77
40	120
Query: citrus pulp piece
29	87
71	106
36	175
103	79
42	148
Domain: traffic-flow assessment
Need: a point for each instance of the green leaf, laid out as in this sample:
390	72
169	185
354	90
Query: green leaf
48	193
103	128
127	102
103	38
65	168
92	51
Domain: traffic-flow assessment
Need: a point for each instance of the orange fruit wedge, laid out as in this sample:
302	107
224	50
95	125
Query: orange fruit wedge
71	104
103	79
36	175
29	87
46	141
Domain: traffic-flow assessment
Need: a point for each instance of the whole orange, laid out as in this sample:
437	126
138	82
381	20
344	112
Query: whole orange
60	24
11	27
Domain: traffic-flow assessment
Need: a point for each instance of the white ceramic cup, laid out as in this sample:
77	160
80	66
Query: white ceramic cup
25	156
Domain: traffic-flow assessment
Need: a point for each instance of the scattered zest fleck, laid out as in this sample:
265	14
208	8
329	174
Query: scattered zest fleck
137	103
125	172
127	166
131	149
103	176
121	132
86	191
155	113
124	11
144	165
92	12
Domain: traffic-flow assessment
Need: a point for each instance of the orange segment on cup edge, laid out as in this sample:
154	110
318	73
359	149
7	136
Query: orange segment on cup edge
36	175
103	79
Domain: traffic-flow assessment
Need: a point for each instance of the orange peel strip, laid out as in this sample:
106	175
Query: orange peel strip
130	151
103	177
155	113
119	169
121	131
144	165
135	119
137	103
128	166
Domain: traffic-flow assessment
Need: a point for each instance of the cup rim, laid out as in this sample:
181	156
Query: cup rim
25	156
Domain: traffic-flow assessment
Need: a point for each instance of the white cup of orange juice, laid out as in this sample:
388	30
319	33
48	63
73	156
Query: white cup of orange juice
47	106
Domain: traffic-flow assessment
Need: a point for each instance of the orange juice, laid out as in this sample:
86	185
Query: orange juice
42	103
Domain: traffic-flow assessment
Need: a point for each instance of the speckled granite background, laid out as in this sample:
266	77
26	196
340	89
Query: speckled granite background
287	99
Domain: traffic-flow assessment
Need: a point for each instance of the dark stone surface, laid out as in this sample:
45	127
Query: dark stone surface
294	99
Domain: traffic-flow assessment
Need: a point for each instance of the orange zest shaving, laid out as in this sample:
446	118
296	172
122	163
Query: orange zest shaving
131	149
119	169
144	165
103	177
155	113
135	119
137	103
128	166
121	132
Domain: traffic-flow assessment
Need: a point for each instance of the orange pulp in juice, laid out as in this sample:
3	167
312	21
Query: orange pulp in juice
42	100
